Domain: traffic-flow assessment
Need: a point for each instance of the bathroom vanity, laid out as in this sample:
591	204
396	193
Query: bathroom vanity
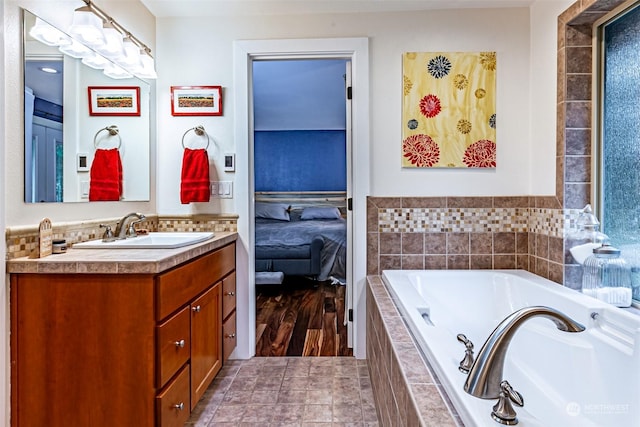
120	337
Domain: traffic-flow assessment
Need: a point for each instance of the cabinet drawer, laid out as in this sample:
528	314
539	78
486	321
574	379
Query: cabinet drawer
173	345
229	337
228	294
173	404
178	286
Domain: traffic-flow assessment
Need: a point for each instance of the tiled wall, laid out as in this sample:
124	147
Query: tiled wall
575	107
467	233
21	241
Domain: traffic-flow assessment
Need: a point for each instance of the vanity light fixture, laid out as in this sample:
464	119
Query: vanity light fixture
96	61
130	54
47	34
116	72
75	49
113	41
87	27
100	42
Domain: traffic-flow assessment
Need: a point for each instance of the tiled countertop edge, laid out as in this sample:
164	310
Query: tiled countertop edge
118	261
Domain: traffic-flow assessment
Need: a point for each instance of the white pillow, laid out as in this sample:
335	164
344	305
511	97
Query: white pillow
272	211
320	213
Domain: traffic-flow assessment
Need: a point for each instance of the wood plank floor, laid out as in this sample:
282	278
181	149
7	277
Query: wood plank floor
301	317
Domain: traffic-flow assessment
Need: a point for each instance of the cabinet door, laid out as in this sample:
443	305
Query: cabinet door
206	340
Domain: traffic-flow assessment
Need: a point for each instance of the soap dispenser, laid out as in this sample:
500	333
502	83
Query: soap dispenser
607	276
586	236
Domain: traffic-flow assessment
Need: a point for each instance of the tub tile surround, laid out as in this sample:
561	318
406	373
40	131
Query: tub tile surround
21	241
406	391
468	233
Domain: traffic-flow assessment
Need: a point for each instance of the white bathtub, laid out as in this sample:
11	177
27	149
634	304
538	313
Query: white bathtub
591	378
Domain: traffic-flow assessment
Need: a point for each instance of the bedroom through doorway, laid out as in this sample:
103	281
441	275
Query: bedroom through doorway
301	171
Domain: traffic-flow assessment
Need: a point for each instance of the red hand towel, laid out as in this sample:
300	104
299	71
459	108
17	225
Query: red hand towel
194	186
106	175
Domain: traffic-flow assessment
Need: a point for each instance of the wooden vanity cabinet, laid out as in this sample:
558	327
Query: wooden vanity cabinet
117	349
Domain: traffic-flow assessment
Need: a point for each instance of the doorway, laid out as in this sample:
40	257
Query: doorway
302	154
245	52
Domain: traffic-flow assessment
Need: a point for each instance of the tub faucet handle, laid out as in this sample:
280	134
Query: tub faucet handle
467	361
503	411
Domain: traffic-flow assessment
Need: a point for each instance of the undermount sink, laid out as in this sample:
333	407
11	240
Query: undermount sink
154	240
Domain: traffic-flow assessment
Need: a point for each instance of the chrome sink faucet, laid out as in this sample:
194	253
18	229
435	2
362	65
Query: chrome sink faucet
485	379
125	228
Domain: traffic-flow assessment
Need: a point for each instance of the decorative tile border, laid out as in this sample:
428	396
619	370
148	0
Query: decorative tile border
21	241
550	222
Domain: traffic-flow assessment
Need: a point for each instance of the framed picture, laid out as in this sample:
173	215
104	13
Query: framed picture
114	100
196	100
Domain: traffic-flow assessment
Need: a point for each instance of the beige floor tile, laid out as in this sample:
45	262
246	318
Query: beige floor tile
288	392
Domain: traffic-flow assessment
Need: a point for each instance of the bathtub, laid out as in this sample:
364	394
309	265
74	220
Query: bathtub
591	378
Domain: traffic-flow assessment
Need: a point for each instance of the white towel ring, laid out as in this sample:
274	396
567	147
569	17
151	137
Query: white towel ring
199	130
113	131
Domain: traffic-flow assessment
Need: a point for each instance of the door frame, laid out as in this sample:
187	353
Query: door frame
245	51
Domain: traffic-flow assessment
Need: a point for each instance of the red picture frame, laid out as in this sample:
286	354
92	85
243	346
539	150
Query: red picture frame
114	100
196	100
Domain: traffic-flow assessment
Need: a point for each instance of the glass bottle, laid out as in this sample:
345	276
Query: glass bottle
607	276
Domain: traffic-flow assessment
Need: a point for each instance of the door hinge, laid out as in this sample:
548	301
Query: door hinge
350	204
350	315
349	92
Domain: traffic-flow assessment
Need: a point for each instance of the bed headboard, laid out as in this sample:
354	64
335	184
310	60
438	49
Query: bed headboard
302	199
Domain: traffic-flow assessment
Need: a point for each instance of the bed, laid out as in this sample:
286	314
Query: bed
309	241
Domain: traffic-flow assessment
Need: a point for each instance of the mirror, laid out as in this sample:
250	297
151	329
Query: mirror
66	125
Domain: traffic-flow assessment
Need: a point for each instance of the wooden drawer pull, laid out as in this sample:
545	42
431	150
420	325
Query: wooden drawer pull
179	406
180	343
231	335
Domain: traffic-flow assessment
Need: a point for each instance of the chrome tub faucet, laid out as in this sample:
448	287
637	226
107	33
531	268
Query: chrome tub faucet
485	379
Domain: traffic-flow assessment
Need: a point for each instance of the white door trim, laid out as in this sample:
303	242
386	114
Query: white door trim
357	49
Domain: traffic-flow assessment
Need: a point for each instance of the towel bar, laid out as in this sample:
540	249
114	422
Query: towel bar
199	130
113	131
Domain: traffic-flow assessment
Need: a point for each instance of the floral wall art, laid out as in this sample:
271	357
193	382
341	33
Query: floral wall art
449	110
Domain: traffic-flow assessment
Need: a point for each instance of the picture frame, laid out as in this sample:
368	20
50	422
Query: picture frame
114	100
196	100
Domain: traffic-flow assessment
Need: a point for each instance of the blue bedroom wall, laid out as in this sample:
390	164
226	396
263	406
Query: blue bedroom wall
299	125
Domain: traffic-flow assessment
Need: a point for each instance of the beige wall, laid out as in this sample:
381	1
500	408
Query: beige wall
526	114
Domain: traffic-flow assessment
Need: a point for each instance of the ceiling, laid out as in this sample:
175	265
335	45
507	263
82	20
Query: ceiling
186	8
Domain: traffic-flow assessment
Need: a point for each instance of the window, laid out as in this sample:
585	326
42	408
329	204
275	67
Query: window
617	178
